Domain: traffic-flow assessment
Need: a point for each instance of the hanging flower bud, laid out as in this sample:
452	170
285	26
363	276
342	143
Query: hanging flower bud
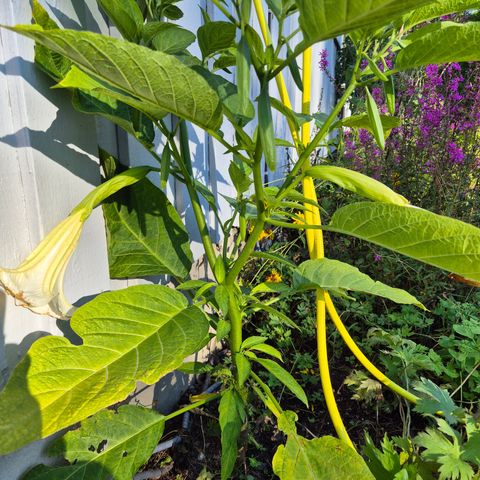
37	283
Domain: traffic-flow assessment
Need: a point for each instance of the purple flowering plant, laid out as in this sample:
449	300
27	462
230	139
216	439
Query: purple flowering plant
433	157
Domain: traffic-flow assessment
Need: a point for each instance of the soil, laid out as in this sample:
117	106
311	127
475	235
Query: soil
198	454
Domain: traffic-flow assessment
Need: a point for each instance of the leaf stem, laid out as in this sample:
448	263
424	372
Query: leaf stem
180	411
275	406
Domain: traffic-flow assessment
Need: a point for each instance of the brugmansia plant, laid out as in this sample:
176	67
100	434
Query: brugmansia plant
143	332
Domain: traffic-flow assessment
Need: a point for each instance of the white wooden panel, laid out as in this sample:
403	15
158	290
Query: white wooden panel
47	165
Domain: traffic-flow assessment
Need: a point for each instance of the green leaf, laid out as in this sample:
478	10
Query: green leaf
437	9
282	318
384	463
194	368
363	121
284	377
165	164
126	15
325	458
128	118
293	118
276	7
228	94
330	18
436	400
375	120
222	329
357	183
172	12
338	276
167	37
294	69
240	175
231	418
137	334
52	63
243	368
441	43
265	128
153	82
222	298
446	451
375	70
268	350
274	257
439	241
272	287
216	36
91	97
251	341
243	65
145	234
108	445
389	91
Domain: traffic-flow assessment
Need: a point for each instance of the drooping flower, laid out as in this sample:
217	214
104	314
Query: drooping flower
37	283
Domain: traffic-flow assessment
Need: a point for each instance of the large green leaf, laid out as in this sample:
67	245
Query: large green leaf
126	15
330	18
441	43
434	239
126	117
324	458
108	445
357	182
145	234
338	276
154	81
437	9
231	418
137	334
87	100
52	63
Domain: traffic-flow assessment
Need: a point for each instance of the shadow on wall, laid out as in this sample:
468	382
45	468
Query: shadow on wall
69	147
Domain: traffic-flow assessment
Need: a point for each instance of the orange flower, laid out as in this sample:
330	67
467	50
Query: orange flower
274	277
267	233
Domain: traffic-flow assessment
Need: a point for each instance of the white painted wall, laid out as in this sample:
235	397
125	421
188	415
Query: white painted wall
48	163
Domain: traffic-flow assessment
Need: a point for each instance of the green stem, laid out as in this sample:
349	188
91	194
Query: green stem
304	158
235	316
176	413
226	12
259	223
184	161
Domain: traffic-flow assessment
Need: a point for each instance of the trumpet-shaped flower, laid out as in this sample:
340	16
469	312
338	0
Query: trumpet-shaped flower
37	283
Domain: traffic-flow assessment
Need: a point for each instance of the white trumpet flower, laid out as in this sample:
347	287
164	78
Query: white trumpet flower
37	283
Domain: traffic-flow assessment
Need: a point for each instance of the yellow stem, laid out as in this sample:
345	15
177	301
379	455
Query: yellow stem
380	376
325	372
316	250
312	217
